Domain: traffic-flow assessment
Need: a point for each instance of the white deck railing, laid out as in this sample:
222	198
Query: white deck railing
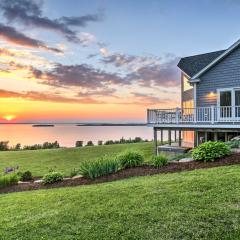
209	115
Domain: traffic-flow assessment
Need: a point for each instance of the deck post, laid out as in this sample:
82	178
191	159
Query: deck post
226	136
180	138
161	136
206	137
215	136
169	137
212	114
175	136
155	140
195	138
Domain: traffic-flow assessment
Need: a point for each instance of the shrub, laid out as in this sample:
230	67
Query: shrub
101	167
17	147
8	180
74	172
130	159
45	145
100	143
48	145
233	143
52	177
90	143
4	146
109	142
25	176
79	144
159	161
210	151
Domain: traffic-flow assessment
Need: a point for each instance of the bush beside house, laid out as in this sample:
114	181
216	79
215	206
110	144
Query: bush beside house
210	151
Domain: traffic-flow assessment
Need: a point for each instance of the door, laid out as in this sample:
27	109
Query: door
225	104
237	104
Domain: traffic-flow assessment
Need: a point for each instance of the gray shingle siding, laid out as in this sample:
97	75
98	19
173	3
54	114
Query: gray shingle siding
224	74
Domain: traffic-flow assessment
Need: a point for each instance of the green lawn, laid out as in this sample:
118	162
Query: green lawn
201	204
40	162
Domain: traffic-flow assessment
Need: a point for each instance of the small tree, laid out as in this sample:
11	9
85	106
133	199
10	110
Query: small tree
4	146
56	144
137	139
17	147
79	144
90	143
100	142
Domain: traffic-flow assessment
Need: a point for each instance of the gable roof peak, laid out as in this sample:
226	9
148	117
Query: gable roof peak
216	60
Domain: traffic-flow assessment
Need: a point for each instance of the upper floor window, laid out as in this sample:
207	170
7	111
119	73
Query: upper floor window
186	84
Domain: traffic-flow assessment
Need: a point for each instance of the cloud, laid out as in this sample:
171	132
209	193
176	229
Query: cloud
138	98
103	92
86	38
29	13
47	97
128	61
82	21
157	75
82	75
148	71
104	51
10	34
6	52
148	99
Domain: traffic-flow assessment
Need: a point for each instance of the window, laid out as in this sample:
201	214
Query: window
186	85
229	103
237	97
225	98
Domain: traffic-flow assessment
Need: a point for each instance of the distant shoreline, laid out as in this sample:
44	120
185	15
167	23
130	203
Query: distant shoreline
43	125
111	124
76	124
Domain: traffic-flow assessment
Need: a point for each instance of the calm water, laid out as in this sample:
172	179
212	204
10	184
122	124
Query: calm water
67	134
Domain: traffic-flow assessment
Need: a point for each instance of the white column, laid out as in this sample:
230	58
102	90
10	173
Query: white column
195	101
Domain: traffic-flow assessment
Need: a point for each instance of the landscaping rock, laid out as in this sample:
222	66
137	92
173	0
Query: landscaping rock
77	177
186	160
67	178
20	182
235	150
38	181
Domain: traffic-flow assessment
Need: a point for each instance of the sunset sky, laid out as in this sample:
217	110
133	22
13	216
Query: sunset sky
105	60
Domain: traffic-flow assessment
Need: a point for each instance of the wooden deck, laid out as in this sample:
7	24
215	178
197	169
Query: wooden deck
192	118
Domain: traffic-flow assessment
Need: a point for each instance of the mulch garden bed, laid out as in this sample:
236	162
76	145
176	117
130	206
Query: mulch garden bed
126	173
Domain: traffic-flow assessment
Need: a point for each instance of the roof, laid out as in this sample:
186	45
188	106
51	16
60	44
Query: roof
194	64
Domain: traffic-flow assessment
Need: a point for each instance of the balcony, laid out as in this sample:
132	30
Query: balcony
213	117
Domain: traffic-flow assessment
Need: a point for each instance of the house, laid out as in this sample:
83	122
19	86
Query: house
210	100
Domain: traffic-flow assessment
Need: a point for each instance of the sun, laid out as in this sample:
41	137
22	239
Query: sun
9	117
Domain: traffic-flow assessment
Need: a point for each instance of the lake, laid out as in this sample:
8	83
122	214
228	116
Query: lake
68	134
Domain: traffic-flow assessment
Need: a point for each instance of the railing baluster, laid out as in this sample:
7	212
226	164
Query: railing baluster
210	115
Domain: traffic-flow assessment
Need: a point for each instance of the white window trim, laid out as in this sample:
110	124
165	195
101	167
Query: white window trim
232	90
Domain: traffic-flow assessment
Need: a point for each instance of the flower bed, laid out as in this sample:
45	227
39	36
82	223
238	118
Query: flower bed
126	173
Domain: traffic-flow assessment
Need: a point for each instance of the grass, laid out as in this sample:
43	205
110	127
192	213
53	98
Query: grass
201	204
39	162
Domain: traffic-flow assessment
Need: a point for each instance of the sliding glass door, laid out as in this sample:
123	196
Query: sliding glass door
237	103
229	104
225	104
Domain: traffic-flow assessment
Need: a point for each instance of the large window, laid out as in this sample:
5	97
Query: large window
229	103
237	97
225	98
